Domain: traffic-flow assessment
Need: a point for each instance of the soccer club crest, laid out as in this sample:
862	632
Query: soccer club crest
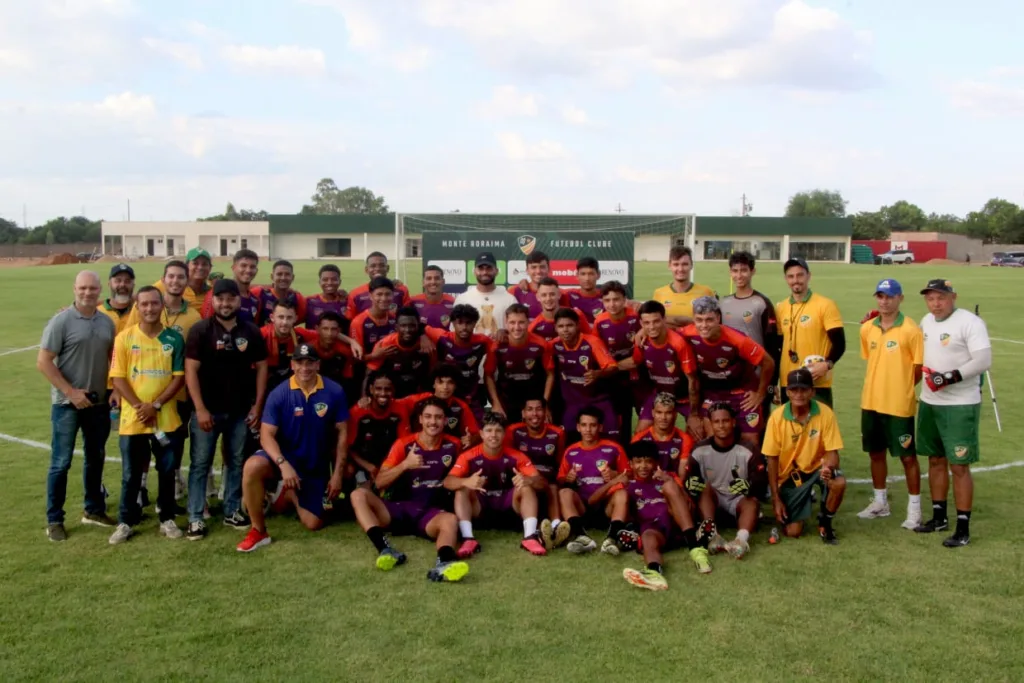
960	451
906	440
601	464
526	244
874	345
446	459
748	316
674	454
944	338
529	363
814	433
584	361
393	307
804	319
753	419
892	345
548	448
722	362
167	348
320	409
241	343
670	365
471	361
453	422
444	321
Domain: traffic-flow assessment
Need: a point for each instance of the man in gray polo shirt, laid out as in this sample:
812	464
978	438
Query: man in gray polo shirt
74	355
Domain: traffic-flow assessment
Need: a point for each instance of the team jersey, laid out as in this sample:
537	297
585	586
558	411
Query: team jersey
336	362
359	299
801	447
805	325
307	423
367	330
498	470
468	359
617	335
589	463
545	328
752	315
681	303
118	316
149	364
571	363
948	345
529	299
518	371
249	310
459	418
423	485
718	467
544	450
268	299
190	296
409	368
667	363
648	501
726	365
181	321
317	306
590	306
372	432
280	350
672	451
891	355
434	315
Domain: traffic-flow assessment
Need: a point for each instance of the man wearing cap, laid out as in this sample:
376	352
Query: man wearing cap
220	357
490	300
198	264
122	287
812	331
802	445
957	352
893	347
303	422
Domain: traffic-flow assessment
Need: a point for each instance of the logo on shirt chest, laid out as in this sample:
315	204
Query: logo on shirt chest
446	459
892	345
747	316
722	362
670	365
804	320
453	422
320	409
944	339
241	343
584	361
167	348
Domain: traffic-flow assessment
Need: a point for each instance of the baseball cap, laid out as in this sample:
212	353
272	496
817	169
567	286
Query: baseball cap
197	252
305	352
939	285
890	287
486	258
795	262
801	378
225	287
122	268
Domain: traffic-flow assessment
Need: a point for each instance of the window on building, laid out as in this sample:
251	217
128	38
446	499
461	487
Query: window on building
720	250
818	251
335	246
245	244
412	247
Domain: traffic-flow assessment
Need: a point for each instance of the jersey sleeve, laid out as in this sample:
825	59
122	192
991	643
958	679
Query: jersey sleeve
340	401
772	446
435	335
119	364
977	335
549	356
300	308
491	362
687	361
386	342
621	461
354	416
604	358
396	455
524	465
53	335
563	469
831	317
751	351
272	410
687	445
355	330
306	335
864	331
469	419
133	317
830	438
206	310
461	467
585	326
488	343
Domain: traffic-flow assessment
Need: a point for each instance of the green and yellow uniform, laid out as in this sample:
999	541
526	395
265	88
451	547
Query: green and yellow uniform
888	402
804	326
680	303
149	364
193	298
181	321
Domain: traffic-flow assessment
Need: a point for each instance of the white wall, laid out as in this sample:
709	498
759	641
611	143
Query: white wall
304	245
188	234
652	247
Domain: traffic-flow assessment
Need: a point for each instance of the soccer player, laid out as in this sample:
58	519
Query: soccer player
802	445
588	298
281	339
543	443
812	329
460	421
336	356
486	297
466	350
148	370
725	475
538	268
119	305
550	298
413	475
331	298
581	364
678	296
585	478
957	352
727	368
616	325
197	269
303	422
492	482
376	321
244	267
282	275
400	354
433	306
514	370
374	428
377	267
674	445
893	347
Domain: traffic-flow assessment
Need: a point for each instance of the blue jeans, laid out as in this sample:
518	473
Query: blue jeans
136	450
203	449
65	421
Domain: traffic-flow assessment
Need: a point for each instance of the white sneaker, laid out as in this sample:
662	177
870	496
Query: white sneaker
737	548
913	519
874	510
717	544
170	529
121	534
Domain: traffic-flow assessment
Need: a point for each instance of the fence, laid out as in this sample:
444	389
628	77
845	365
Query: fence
41	250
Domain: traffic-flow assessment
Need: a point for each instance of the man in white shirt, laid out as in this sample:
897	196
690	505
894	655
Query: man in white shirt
957	352
490	300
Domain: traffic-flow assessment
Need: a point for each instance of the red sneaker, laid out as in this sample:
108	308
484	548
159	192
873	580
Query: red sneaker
254	539
468	548
533	545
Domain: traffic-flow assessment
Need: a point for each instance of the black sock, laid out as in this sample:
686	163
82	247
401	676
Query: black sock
690	538
376	536
446	553
963	522
654	566
939	510
615	528
576	526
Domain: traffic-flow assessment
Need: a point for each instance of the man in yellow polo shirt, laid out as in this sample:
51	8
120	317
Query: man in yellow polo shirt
812	331
801	445
198	264
678	297
893	347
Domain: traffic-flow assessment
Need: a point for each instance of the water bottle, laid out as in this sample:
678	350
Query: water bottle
773	537
115	414
162	437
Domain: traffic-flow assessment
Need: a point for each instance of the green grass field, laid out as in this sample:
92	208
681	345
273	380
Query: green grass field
884	604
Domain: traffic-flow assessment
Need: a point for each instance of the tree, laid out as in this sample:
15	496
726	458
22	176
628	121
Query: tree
10	233
994	223
904	217
816	204
946	222
50	239
329	200
869	225
230	214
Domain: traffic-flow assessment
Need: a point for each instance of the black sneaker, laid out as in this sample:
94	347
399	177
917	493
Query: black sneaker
828	535
237	520
98	520
196	531
56	532
957	540
933	525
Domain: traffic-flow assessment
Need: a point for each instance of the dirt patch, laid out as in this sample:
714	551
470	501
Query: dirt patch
59	260
944	262
16	262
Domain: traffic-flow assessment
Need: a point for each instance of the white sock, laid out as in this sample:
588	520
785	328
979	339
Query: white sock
915	502
881	496
529	526
743	535
555	523
466	529
144	477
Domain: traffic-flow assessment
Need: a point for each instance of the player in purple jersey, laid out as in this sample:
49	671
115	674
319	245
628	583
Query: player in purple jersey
402	356
433	306
282	275
588	298
331	298
465	350
515	370
538	267
617	327
244	267
377	266
413	474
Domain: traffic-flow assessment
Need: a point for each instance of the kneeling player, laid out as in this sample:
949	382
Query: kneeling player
414	472
492	483
725	474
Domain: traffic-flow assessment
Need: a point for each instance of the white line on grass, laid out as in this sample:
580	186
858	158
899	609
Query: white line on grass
27	348
44	447
998	339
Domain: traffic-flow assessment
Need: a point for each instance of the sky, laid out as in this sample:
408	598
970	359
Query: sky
532	106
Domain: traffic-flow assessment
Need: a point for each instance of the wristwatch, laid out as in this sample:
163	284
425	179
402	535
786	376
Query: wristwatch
280	460
158	405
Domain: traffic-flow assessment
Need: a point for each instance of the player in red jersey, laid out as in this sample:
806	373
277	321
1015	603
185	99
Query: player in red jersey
674	445
282	275
588	297
550	298
378	320
413	474
538	268
373	429
433	306
460	421
494	483
401	354
336	356
377	266
466	350
617	327
515	370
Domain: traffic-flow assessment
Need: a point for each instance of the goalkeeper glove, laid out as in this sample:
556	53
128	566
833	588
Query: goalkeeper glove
738	486
694	484
938	380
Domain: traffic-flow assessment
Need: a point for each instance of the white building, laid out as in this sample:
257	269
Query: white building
139	239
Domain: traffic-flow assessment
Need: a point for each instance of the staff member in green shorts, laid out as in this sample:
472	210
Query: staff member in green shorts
801	445
957	352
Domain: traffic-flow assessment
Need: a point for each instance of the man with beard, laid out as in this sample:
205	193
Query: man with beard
433	305
197	273
377	267
244	267
282	275
374	427
281	339
515	370
401	355
119	305
490	300
331	298
549	297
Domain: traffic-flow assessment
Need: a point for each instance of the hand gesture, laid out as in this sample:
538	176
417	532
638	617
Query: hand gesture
363	402
467	439
621	478
826	472
524	285
414	460
659	475
696	426
518	480
357	349
570	476
289	477
751	400
607	474
426	346
475	481
590	376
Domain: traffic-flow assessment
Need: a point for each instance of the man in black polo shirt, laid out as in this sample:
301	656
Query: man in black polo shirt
226	373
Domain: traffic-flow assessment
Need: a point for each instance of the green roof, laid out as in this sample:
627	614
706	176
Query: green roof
713	226
341	224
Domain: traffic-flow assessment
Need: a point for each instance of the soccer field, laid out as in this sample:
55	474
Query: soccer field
883	604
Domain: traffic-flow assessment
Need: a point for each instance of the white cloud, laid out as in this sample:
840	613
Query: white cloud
988	99
574	115
14	59
410	59
517	149
289	59
508	101
186	54
363	31
127	105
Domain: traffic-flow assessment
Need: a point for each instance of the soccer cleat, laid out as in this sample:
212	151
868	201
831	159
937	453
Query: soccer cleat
828	535
448	572
645	578
237	520
737	548
957	540
547	534
196	531
717	544
534	545
56	532
581	544
389	558
913	519
875	510
562	532
101	519
169	529
700	560
933	525
628	539
609	547
121	534
254	539
706	529
469	547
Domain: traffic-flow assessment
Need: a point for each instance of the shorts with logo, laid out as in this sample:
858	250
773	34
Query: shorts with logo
949	432
749	421
409	518
647	409
311	494
796	494
880	432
